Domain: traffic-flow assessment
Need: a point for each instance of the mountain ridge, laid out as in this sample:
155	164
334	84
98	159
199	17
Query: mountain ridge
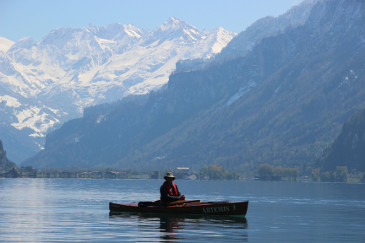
281	103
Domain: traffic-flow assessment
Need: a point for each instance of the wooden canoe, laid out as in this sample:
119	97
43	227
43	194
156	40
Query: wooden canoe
194	207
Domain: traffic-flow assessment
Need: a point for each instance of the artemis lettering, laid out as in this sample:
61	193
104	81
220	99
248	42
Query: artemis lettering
216	209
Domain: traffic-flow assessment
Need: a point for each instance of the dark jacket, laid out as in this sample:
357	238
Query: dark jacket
166	197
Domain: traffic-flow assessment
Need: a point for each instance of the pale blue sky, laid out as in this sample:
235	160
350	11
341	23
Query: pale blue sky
36	18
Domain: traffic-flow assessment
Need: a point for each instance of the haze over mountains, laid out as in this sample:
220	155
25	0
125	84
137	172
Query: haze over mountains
43	84
282	102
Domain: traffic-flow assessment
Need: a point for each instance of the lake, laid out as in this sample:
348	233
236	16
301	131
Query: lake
76	210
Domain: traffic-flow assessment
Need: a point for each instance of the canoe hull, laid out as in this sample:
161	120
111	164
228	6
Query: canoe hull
201	208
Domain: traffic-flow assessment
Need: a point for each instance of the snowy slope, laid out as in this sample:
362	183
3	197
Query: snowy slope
5	44
43	84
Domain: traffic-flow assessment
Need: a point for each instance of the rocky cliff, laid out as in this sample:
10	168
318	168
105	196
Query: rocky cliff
7	168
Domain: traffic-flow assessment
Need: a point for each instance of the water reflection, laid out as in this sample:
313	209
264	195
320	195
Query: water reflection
173	228
20	212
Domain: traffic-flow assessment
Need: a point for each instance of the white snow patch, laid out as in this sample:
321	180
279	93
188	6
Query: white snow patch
223	38
5	44
104	43
241	92
100	119
190	35
132	31
35	119
10	101
277	90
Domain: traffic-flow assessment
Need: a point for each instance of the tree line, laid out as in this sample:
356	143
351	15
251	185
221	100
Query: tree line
268	172
208	172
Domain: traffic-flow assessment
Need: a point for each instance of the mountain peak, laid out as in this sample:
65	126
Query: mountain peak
174	28
174	24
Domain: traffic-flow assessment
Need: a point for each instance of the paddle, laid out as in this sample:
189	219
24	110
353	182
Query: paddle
182	202
156	203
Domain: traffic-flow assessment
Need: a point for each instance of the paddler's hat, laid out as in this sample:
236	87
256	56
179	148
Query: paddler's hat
169	175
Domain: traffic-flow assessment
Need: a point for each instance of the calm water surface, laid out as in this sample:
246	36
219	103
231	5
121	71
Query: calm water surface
76	210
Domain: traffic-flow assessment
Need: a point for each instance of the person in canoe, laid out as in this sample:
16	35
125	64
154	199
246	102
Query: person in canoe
169	190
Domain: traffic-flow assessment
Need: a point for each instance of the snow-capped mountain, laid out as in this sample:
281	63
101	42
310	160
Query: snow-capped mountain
5	44
45	83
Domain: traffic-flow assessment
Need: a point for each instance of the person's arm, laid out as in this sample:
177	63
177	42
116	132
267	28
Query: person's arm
180	197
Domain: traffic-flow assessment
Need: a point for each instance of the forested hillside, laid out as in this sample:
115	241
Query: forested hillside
349	147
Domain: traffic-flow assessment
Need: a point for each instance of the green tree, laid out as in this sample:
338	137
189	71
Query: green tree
363	178
341	174
327	176
279	171
217	172
315	175
266	171
292	174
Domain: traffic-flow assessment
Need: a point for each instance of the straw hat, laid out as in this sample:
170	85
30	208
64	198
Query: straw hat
169	175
